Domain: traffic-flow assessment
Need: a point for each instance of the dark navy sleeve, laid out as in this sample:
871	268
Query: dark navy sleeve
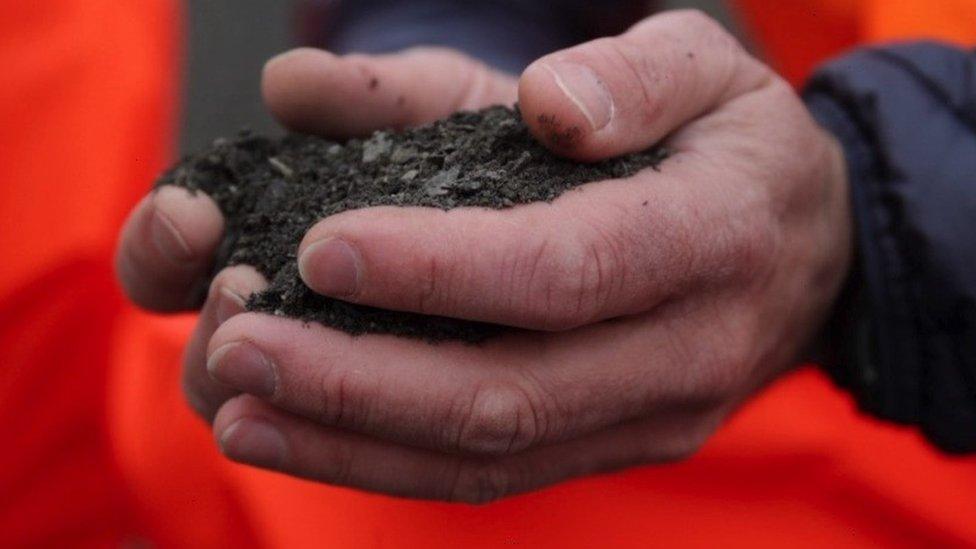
507	34
904	336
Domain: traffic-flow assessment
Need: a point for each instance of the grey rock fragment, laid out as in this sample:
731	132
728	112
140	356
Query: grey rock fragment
441	183
409	176
377	146
403	154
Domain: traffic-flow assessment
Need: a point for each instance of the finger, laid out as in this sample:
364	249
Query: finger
609	249
314	91
253	432
228	295
506	395
166	248
617	95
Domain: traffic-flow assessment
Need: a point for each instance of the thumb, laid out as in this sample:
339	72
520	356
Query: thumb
618	95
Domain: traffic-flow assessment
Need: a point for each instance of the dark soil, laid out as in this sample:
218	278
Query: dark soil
272	191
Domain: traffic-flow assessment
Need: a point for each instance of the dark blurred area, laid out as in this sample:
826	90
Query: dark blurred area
223	64
225	55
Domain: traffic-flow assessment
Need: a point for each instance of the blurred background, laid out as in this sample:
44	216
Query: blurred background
101	447
225	55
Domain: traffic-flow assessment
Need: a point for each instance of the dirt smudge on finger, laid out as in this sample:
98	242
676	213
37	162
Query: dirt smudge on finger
561	138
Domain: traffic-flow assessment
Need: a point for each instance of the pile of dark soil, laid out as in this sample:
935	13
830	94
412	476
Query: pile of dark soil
272	191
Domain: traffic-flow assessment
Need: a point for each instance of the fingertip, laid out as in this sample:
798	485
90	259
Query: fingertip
227	298
231	288
289	86
245	431
187	226
331	267
228	413
286	59
237	328
562	119
329	261
166	247
130	241
316	233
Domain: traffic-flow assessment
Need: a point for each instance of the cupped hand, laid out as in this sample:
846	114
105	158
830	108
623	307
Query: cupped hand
655	304
166	248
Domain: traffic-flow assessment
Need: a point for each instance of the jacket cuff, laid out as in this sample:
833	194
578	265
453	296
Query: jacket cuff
849	348
901	337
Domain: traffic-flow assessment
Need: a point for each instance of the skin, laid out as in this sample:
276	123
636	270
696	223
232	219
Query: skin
657	304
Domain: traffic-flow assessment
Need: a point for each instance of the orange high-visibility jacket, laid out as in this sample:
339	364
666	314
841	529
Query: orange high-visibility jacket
99	447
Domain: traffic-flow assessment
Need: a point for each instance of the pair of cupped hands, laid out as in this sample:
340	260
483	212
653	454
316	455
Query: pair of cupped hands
655	305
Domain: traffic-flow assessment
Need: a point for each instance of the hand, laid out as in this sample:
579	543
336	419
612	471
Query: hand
166	247
660	302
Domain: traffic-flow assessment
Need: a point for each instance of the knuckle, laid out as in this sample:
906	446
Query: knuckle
571	280
643	74
442	53
680	447
716	386
711	371
679	440
756	243
479	483
342	461
502	419
436	288
473	76
598	267
719	379
471	73
224	279
340	400
698	23
708	33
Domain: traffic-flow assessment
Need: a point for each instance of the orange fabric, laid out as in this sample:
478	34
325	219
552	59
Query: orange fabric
86	106
948	20
798	467
182	488
796	35
58	482
106	451
87	116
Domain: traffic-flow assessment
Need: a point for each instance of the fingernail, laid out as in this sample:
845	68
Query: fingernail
243	366
255	442
331	267
229	303
168	241
585	89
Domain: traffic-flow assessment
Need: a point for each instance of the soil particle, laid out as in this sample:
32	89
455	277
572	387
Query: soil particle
272	191
560	137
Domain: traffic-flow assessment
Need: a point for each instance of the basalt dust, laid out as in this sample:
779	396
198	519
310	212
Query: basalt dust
272	190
